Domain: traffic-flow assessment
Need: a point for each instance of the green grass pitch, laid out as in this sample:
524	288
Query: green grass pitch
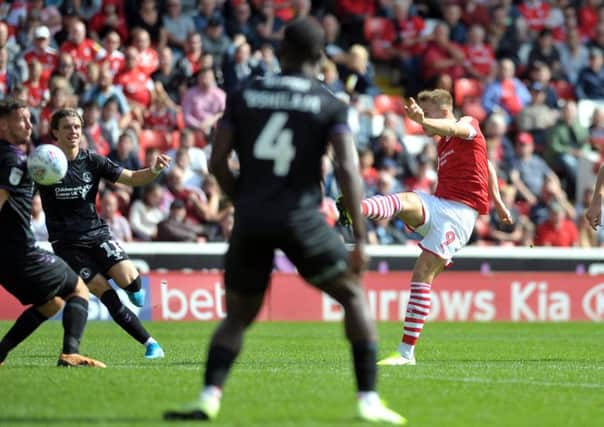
299	374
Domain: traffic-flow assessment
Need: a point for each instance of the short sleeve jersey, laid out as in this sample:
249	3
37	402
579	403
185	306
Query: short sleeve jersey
15	215
463	174
281	126
71	215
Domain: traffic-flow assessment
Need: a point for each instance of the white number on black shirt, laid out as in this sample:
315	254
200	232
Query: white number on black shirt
275	143
112	248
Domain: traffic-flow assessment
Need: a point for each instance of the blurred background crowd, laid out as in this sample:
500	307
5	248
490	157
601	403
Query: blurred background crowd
153	76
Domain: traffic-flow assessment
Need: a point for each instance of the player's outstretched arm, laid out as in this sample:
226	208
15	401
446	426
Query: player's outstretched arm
4	195
144	176
442	127
594	211
502	210
219	160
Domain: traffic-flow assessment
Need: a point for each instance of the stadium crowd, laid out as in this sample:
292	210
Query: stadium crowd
153	76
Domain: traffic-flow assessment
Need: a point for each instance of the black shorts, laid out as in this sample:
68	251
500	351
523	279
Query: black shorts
88	261
311	245
37	276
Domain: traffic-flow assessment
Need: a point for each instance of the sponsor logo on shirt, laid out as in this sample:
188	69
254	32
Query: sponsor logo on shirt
71	193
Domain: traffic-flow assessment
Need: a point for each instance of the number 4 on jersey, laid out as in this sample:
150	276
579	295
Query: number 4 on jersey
275	143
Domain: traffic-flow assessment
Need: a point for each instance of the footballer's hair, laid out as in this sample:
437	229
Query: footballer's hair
303	41
61	114
9	105
439	97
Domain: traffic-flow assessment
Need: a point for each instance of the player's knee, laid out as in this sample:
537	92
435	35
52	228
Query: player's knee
98	286
81	290
51	307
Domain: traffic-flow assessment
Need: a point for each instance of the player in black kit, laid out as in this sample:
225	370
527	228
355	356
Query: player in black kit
82	238
280	128
32	275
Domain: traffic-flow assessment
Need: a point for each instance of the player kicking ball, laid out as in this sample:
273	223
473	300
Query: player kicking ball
32	275
446	219
280	128
82	238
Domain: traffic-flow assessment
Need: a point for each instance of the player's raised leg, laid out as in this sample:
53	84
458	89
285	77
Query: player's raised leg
124	317
407	206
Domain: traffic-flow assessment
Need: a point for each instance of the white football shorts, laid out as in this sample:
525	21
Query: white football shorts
447	225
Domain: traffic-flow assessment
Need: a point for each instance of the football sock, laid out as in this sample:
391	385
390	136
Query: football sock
211	391
124	317
381	207
134	286
27	322
218	365
75	316
364	355
418	310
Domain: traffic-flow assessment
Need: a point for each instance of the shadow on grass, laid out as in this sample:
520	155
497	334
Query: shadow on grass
79	421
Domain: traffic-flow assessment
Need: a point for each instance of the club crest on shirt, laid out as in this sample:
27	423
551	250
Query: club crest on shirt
85	273
15	176
87	177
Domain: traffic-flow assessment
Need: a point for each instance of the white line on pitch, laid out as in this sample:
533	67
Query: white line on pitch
509	381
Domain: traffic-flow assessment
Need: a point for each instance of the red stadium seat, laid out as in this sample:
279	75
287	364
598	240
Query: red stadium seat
564	89
149	138
389	103
378	28
466	89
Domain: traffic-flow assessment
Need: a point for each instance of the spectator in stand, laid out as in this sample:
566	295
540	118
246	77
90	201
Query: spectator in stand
106	90
507	234
352	14
240	23
66	68
529	171
540	73
238	69
193	59
451	12
178	26
369	173
118	225
388	147
267	62
222	232
161	115
383	232
108	19
480	58
81	48
588	17
567	141
475	13
203	104
182	161
498	143
58	99
557	230
442	56
424	179
92	129
36	85
38	219
176	228
537	117
124	154
41	50
145	213
136	85
551	192
334	46
268	27
171	79
87	9
9	76
590	83
215	41
69	18
148	60
574	56
596	130
198	161
597	42
356	72
546	52
536	13
207	9
8	41
509	36
148	17
409	43
507	93
110	121
112	55
197	207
